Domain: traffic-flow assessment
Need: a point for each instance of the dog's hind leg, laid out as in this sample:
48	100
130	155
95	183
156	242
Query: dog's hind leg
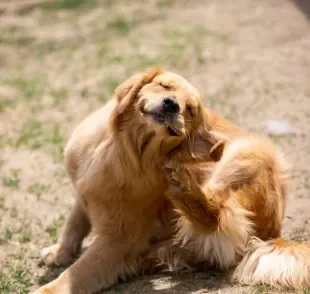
198	206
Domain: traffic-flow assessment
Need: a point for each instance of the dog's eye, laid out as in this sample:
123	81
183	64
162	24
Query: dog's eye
167	87
190	110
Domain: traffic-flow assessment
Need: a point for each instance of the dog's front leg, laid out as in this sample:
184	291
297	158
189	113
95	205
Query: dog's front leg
76	228
98	268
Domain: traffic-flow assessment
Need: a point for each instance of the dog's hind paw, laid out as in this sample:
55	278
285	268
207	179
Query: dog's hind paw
172	172
176	175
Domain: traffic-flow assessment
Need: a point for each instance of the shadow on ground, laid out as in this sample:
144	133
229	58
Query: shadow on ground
304	6
170	283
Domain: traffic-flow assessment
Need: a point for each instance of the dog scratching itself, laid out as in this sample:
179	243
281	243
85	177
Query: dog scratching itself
164	182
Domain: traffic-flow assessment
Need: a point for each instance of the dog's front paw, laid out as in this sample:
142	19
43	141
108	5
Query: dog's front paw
56	255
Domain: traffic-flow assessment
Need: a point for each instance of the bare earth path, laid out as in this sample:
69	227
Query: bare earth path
61	59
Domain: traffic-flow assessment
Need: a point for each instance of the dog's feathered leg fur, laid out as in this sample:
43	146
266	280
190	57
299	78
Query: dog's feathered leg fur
248	186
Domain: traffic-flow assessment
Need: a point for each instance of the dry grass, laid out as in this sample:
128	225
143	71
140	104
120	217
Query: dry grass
62	59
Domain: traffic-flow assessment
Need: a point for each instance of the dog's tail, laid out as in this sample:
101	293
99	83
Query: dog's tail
277	262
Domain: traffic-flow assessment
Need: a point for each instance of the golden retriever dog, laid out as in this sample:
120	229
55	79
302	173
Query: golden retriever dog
161	180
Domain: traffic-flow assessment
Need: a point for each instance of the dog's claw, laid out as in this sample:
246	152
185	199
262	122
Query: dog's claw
173	173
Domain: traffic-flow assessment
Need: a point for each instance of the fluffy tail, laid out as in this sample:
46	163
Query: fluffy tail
276	262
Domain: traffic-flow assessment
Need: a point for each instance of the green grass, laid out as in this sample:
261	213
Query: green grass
119	25
2	202
59	95
23	233
25	236
53	228
30	88
6	236
34	135
52	5
6	103
15	279
12	181
52	231
185	44
260	289
111	84
17	40
37	189
14	212
164	3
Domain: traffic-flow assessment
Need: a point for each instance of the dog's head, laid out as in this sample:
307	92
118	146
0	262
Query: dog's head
168	112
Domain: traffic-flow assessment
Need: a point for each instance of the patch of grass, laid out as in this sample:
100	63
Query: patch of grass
31	88
6	237
59	96
102	51
111	84
58	5
216	35
53	228
52	231
34	136
175	33
182	42
71	4
15	279
307	291
104	55
2	202
17	40
114	59
307	181
13	212
6	103
12	181
119	25
25	236
37	189
141	61
220	97
164	3
260	289
30	135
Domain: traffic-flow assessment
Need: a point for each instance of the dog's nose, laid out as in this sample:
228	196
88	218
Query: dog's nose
170	105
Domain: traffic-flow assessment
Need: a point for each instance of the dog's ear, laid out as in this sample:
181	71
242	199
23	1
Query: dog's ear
217	150
137	81
206	146
123	89
126	93
201	146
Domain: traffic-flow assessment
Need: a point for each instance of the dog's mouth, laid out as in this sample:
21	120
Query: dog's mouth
172	131
169	121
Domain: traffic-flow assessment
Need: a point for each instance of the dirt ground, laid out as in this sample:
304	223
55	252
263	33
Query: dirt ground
62	59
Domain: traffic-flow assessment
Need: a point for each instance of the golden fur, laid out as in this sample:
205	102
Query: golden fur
121	160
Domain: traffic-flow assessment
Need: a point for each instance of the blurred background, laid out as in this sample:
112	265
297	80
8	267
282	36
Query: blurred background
62	59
